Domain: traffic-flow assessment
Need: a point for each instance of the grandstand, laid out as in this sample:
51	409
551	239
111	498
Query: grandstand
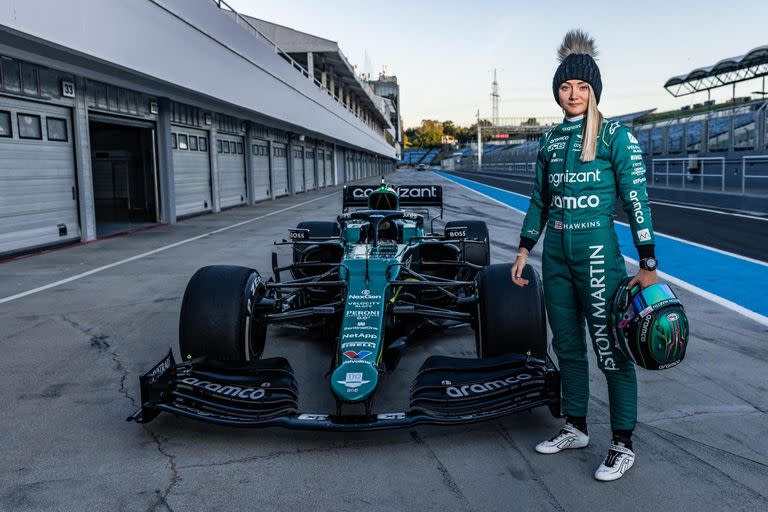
714	153
419	156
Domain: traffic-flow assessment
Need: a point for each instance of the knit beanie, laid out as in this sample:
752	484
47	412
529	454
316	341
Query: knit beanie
577	62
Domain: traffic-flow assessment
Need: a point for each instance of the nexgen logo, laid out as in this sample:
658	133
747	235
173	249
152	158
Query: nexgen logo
574	203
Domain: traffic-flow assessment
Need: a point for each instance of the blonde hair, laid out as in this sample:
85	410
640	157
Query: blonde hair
592	123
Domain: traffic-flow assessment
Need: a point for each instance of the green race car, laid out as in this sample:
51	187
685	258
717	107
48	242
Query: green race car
368	283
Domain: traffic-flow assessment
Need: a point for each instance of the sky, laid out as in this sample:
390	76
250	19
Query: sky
444	52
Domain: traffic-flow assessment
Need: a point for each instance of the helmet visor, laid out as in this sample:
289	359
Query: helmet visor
649	299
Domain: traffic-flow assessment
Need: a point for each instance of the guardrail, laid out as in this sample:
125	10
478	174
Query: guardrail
693	173
685	174
745	176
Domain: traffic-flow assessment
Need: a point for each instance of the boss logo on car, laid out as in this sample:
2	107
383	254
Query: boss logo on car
457	232
298	234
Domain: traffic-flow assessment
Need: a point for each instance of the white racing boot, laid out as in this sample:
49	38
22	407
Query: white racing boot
568	437
619	460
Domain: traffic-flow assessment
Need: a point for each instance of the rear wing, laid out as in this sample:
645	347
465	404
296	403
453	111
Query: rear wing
410	196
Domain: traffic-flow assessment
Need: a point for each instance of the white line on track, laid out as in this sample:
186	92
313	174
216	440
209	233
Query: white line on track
154	251
655	201
757	317
710	210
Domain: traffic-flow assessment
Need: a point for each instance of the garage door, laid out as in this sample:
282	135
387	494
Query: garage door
260	150
298	169
38	198
231	166
309	170
321	168
328	168
191	171
280	171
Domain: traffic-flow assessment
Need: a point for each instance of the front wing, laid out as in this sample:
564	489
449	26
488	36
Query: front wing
446	391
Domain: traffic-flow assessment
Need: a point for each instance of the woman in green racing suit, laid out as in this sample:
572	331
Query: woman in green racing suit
582	165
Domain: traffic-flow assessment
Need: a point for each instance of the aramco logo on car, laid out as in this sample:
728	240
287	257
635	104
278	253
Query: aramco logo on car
486	387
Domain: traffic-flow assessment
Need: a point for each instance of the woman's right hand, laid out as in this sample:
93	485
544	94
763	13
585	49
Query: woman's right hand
518	266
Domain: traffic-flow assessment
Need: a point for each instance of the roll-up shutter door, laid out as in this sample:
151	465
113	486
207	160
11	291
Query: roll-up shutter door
231	167
191	170
298	169
321	168
280	171
38	197
328	168
341	162
260	150
309	170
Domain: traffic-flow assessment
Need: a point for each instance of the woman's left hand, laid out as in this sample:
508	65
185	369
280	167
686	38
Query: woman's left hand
644	278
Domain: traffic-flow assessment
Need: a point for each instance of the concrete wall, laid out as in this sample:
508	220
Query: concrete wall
187	50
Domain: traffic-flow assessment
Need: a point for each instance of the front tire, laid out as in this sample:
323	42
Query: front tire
509	319
216	320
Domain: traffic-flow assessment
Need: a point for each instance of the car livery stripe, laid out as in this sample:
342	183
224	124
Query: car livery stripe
729	280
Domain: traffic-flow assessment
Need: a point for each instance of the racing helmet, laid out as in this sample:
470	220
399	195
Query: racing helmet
650	326
384	198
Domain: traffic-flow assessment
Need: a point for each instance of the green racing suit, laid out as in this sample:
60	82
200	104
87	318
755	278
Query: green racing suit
582	265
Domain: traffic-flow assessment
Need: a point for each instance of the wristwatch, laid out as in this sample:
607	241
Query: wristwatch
649	264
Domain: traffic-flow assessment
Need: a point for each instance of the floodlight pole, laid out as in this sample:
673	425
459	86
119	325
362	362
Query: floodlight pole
479	143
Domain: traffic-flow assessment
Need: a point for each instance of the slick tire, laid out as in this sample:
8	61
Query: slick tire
216	320
478	254
509	318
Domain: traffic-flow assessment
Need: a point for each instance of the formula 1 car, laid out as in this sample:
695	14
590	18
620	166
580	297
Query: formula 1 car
369	283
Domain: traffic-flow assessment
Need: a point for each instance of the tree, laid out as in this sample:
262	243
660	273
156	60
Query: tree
450	129
429	134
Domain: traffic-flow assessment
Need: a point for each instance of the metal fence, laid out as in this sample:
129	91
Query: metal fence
747	174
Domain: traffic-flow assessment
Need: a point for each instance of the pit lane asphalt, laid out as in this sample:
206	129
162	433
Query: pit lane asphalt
72	354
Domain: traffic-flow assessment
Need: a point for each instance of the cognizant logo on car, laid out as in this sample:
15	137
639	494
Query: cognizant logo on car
574	203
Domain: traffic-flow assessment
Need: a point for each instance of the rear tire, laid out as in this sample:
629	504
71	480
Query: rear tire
478	254
216	320
509	319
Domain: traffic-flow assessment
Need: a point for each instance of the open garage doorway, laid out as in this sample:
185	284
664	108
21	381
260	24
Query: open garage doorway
124	182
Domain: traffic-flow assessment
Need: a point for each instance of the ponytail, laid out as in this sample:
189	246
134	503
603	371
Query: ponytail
594	119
